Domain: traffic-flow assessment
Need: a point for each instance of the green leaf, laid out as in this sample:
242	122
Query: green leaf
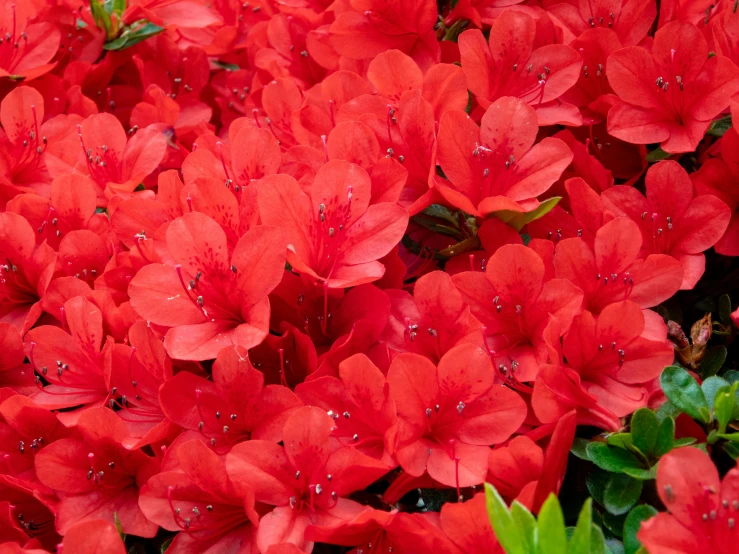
710	388
100	15
633	523
612	459
668	409
596	482
551	536
724	309
578	448
467	245
684	392
505	527
644	429
580	541
685	441
526	523
713	360
643	474
657	155
165	545
119	6
134	34
732	449
597	540
615	524
665	437
621	493
517	220
723	405
614	546
225	65
621	440
720	126
118	526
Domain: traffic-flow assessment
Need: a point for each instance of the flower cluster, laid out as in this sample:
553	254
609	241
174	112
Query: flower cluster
270	268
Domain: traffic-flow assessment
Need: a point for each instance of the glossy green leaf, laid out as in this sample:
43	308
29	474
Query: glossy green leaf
579	447
580	541
621	493
596	482
611	458
526	524
644	430
657	155
506	529
665	437
685	392
615	524
621	440
723	405
710	387
551	536
713	360
633	523
133	35
719	127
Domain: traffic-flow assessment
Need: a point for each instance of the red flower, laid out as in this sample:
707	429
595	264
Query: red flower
431	321
378	532
26	515
96	476
25	429
614	361
27	47
703	509
449	414
630	20
25	272
497	166
509	64
136	375
359	403
188	13
671	220
371	27
102	151
719	177
210	299
93	536
287	358
72	362
234	407
612	269
468	526
213	513
305	480
334	235
671	94
14	373
515	303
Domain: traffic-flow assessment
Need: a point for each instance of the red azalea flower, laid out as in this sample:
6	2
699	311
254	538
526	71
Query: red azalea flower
378	532
27	47
188	13
285	359
497	166
93	536
136	375
516	303
630	20
614	361
719	177
509	64
305	480
96	476
558	390
359	403
102	151
334	235
612	269
371	27
25	272
431	321
468	526
71	361
25	138
703	509
210	299
25	429
671	220
517	470
214	513
671	94
449	414
14	373
26	515
234	407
